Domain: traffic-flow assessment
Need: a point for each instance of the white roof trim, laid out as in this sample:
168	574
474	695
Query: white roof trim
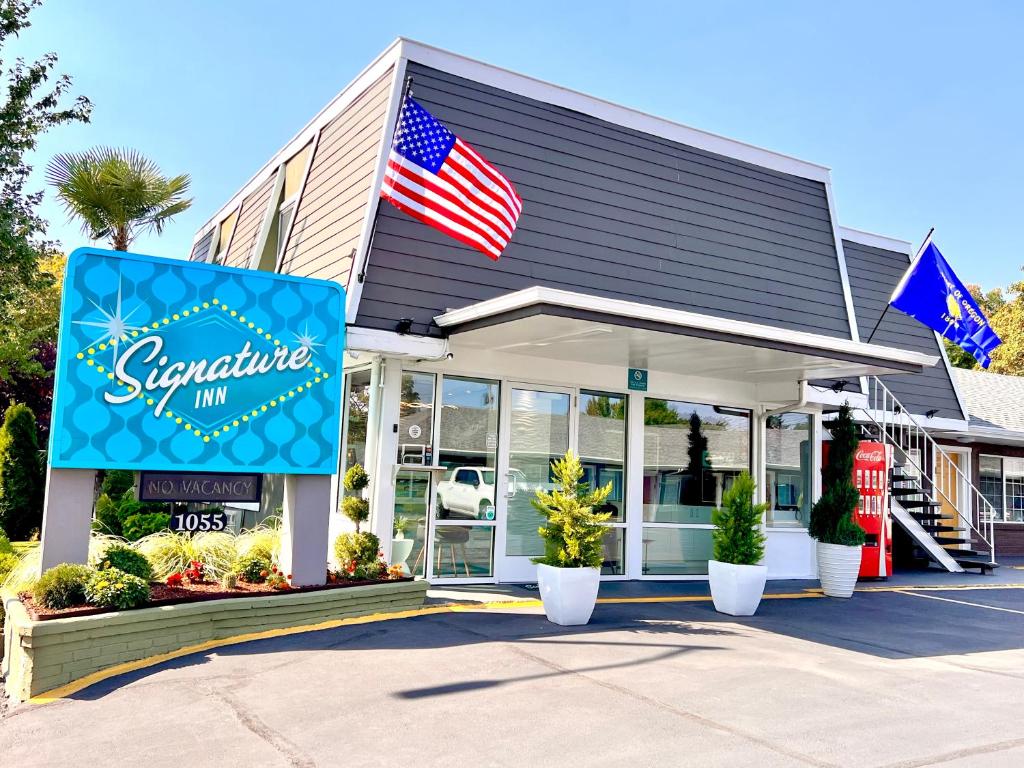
530	87
876	241
541	295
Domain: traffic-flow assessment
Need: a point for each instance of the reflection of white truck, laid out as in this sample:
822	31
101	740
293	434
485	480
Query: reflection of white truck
468	492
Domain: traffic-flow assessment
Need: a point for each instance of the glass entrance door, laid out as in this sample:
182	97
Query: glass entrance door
540	422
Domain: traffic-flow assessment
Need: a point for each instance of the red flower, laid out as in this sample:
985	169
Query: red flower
174	580
288	576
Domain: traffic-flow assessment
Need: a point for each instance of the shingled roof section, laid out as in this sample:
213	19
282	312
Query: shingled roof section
992	399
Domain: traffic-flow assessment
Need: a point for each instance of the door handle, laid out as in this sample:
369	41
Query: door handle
510	485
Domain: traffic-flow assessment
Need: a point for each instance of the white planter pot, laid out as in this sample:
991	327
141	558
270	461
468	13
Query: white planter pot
400	551
736	589
838	566
569	594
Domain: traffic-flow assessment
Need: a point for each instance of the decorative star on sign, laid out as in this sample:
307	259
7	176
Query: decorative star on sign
306	340
113	327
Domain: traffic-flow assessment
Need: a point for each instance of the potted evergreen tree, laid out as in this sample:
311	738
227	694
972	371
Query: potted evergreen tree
839	538
569	573
736	576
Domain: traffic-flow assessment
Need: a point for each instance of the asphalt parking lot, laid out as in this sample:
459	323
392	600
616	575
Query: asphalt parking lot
919	677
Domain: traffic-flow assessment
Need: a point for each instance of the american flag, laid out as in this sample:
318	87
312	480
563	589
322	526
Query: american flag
436	177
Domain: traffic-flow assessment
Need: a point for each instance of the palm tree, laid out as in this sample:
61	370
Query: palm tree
117	193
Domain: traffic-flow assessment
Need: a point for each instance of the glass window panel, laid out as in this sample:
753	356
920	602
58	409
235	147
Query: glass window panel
676	551
991	482
467	448
355	419
1013	471
416	419
412	492
614	544
692	453
602	446
788	458
539	434
463	551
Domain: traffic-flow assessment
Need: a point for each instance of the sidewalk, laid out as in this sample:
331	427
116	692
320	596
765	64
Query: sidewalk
1009	573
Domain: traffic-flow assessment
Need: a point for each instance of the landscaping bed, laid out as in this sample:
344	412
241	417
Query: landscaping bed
44	655
162	594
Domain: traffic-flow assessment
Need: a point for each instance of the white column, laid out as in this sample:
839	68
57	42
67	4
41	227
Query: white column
67	516
635	485
304	532
382	478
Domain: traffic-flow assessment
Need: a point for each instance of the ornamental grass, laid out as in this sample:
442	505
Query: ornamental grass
171	552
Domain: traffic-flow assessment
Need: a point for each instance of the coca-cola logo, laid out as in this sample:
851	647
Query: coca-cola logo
873	454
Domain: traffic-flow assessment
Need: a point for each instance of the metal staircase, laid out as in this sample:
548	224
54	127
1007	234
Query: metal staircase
930	496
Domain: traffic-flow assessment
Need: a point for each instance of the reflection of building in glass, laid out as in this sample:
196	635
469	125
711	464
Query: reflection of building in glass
788	469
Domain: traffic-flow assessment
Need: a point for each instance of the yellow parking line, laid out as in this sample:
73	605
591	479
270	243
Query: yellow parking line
959	602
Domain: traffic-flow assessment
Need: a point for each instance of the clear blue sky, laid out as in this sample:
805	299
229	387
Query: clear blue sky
916	106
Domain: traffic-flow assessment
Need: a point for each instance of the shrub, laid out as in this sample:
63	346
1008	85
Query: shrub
112	588
8	562
832	515
137	526
354	506
573	532
62	586
737	535
116	482
126	559
22	476
5	544
252	568
358	554
105	519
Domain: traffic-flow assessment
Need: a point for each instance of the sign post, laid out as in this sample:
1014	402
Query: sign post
174	366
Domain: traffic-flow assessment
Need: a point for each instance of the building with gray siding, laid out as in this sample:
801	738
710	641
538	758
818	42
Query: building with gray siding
716	268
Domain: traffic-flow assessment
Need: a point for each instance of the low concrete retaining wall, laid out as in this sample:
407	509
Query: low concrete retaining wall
43	655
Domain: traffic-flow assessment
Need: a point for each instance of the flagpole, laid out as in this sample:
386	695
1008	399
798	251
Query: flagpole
888	304
406	92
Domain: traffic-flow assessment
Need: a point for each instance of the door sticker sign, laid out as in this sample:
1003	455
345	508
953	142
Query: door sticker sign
168	364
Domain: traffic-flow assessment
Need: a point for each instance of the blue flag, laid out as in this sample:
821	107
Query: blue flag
932	294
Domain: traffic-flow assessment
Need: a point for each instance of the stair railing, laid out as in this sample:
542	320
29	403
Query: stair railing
900	430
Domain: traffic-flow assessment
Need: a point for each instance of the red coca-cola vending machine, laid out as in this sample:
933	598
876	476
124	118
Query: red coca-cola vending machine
871	465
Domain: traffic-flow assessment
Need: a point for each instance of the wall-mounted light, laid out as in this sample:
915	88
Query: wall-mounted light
403	326
839	386
931	414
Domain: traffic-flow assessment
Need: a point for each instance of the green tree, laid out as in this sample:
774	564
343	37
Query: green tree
660	412
991	303
832	515
1008	323
21	473
117	193
32	105
603	406
573	532
738	538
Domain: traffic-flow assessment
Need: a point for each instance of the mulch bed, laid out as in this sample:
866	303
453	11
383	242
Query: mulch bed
161	594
